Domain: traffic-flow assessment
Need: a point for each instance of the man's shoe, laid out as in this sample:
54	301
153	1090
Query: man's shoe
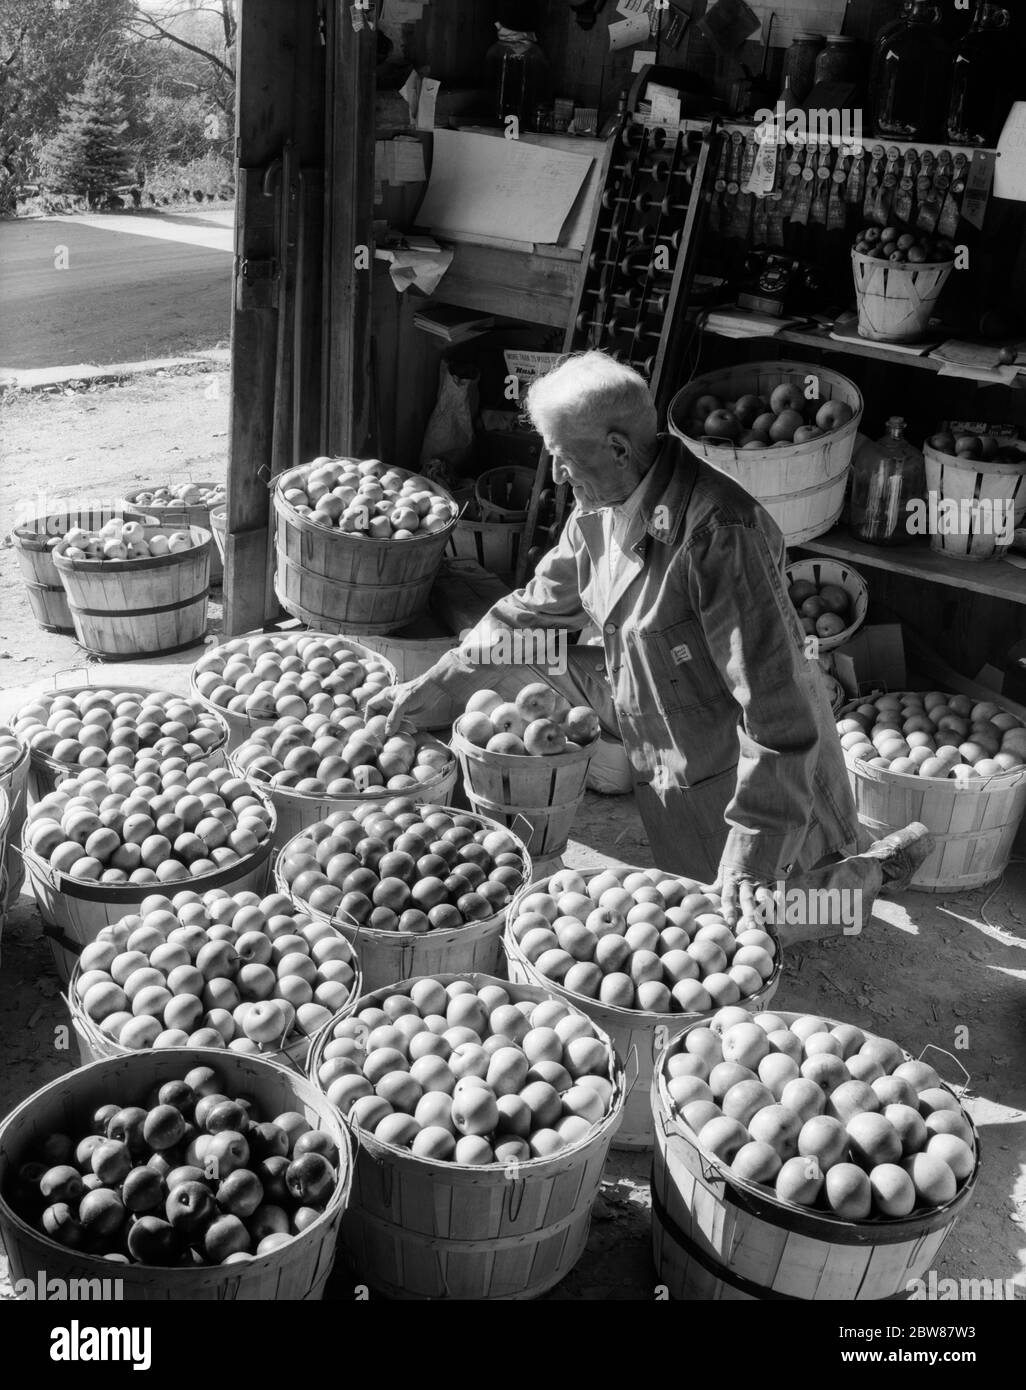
901	853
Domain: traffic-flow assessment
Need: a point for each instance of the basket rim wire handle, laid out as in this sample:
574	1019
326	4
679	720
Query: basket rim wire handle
632	1055
932	1047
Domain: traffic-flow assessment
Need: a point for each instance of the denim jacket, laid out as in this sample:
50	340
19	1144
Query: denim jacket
726	722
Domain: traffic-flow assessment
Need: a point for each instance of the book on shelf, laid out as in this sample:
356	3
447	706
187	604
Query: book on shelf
451	323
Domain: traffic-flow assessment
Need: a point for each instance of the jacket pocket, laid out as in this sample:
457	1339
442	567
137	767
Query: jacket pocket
681	672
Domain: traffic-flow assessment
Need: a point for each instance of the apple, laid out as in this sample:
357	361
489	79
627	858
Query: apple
748	409
535	701
831	415
804	434
581	725
226	1236
506	743
267	1220
163	1127
240	1193
143	1190
786	396
507	719
543	738
477	729
722	424
226	1151
152	1241
782	431
101	1213
484	702
190	1208
111	1161
968	446
310	1179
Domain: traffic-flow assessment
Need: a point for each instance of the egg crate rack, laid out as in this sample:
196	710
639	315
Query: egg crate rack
638	266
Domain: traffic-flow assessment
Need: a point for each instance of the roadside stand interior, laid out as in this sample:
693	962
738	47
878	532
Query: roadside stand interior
587	860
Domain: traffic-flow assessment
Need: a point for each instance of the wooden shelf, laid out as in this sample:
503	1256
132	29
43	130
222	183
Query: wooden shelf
820	339
996	578
537	288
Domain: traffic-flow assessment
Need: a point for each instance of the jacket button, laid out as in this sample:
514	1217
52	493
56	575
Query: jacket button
609	629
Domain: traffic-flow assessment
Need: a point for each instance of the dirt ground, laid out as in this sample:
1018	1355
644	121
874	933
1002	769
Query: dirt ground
944	971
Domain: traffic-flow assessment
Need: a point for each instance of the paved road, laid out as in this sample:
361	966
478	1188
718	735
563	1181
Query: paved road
130	291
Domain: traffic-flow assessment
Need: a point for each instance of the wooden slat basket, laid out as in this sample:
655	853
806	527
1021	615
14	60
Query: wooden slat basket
636	1033
45	771
895	302
73	910
410	654
716	1236
95	1046
820	572
544	792
144	607
493	544
991	498
802	486
240	724
387	956
14	782
297	811
33	543
341	582
504	494
297	1271
182	516
417	1228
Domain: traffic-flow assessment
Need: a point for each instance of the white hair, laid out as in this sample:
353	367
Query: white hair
590	394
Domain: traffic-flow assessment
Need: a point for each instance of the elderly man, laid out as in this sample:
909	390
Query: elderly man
738	773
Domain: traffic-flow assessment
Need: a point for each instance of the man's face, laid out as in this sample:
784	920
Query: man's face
592	467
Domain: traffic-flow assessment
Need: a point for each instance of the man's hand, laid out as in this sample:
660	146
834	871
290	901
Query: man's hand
744	896
420	701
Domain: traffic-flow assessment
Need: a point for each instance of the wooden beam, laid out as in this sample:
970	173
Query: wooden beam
279	97
349	247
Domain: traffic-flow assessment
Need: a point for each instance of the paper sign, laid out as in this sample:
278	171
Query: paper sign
625	32
426	105
526	366
978	186
665	110
494	187
1010	173
642	59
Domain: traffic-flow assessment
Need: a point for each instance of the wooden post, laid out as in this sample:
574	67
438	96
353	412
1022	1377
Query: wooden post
349	246
279	98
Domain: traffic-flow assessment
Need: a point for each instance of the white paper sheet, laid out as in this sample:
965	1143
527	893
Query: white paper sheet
790	16
429	89
641	59
625	32
490	186
1010	171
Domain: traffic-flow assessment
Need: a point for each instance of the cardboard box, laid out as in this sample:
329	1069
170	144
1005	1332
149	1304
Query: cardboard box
873	661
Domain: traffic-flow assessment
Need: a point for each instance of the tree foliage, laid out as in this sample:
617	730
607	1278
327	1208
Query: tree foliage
174	66
87	155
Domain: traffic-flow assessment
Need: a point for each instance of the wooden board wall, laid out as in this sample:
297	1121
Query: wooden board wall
279	98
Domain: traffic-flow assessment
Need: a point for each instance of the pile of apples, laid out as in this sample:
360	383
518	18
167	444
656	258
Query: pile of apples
901	245
190	1175
465	1075
122	540
223	970
934	735
822	1114
640	939
971	444
340	756
110	728
403	867
181	495
752	422
538	723
158	823
364	497
271	675
825	610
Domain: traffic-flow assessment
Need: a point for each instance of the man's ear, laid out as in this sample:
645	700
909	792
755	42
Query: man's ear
621	447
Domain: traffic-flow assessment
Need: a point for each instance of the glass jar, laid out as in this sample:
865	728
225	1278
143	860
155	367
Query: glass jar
838	61
885	478
981	79
908	82
519	73
800	65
